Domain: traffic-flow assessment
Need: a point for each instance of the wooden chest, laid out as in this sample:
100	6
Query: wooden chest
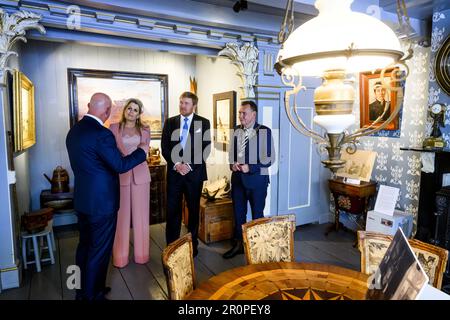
216	220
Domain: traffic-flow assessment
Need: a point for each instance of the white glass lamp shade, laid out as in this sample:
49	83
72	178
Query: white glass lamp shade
335	123
321	43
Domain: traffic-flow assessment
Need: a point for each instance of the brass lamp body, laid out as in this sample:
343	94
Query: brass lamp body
334	97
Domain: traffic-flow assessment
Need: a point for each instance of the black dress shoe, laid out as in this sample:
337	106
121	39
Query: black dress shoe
237	249
101	297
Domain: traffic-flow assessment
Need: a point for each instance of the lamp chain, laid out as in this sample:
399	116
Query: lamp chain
402	13
288	23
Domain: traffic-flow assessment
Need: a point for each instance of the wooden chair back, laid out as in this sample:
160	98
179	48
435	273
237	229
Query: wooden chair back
178	264
269	239
374	245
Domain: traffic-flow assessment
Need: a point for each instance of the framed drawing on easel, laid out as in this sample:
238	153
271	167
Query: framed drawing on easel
359	165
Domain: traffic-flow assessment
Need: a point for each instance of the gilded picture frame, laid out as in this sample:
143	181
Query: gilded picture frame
151	89
370	108
224	116
24	121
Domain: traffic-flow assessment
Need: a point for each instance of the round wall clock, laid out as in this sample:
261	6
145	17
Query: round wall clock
442	66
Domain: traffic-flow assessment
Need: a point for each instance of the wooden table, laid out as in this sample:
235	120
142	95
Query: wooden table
284	281
351	198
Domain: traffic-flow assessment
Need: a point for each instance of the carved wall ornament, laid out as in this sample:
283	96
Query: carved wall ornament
245	58
12	29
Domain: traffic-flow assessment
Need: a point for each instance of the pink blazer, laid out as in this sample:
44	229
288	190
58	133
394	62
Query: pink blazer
140	173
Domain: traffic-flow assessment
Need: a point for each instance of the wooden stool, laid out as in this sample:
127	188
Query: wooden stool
38	247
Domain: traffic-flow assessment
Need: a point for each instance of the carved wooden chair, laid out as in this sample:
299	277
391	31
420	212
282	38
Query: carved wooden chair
178	264
269	239
374	245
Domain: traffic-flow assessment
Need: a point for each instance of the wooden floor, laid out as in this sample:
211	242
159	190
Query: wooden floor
142	282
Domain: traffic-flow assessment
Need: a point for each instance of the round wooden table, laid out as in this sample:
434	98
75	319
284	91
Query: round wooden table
284	281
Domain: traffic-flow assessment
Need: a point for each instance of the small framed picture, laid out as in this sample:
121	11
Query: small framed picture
224	105
23	112
374	98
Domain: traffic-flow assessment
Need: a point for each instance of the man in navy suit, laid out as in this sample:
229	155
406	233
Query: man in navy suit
185	144
250	157
96	163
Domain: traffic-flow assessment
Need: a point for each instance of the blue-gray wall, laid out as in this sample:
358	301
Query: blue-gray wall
394	167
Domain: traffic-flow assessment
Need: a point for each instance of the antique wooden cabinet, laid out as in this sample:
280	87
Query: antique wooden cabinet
350	198
158	196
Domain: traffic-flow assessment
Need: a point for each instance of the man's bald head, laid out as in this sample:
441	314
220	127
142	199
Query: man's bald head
100	106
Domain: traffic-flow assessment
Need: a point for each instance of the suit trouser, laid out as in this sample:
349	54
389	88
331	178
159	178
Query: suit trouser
177	186
93	252
241	197
134	206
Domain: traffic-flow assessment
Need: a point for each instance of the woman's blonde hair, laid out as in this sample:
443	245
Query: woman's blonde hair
139	123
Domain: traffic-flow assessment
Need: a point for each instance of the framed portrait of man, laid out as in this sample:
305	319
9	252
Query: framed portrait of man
376	100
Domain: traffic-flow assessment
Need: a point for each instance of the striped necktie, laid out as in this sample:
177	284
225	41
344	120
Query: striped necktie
244	141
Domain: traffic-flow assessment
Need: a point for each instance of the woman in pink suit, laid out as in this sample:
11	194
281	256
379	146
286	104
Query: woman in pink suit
134	188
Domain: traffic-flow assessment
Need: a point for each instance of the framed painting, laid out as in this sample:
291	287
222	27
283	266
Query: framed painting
374	98
23	112
151	89
224	114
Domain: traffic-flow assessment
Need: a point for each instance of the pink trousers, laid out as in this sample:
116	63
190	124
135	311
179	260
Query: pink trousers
135	205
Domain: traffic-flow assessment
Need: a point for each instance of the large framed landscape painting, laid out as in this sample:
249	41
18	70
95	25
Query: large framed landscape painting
151	89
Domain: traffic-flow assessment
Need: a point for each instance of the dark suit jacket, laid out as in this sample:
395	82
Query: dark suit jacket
258	155
96	163
376	109
197	148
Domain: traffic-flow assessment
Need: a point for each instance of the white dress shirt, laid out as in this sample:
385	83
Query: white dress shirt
94	117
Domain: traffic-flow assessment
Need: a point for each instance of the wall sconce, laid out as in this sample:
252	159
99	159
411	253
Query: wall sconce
332	45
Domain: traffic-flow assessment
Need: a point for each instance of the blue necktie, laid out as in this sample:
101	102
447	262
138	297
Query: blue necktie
184	133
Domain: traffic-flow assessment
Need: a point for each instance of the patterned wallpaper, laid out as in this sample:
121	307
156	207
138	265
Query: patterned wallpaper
394	167
440	32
